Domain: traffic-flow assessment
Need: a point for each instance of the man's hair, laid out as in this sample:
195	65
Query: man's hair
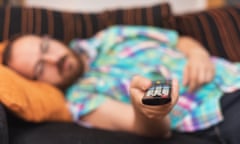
6	55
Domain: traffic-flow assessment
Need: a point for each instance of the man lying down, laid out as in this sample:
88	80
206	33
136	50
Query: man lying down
106	76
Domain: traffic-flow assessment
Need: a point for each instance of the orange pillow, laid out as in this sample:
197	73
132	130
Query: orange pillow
30	100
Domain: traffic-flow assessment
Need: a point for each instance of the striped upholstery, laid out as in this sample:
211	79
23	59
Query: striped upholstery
218	30
156	15
61	25
66	26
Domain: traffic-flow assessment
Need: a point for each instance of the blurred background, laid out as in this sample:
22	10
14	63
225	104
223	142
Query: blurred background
178	6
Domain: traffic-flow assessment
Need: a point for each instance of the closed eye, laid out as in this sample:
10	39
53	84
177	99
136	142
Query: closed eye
38	69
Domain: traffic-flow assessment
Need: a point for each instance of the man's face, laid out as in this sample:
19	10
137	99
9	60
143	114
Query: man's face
45	59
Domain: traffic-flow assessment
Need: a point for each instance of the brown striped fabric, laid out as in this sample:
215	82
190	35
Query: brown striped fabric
66	26
217	29
154	15
61	25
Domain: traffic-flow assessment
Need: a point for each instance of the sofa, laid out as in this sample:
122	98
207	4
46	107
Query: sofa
217	29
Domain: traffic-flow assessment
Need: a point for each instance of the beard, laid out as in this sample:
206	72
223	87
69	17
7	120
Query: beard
76	74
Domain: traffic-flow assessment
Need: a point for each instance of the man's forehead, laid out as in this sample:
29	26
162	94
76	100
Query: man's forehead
28	38
26	44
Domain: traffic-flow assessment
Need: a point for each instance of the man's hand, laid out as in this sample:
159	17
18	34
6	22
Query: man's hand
199	68
198	71
151	119
138	88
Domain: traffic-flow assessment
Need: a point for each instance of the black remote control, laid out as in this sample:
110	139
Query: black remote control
159	93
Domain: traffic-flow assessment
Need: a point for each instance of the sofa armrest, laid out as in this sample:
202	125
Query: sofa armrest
3	126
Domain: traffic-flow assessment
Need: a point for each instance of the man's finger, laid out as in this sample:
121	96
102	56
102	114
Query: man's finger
209	75
193	80
175	91
186	75
139	82
138	87
201	77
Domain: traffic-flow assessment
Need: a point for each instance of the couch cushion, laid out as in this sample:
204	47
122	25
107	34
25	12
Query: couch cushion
61	25
68	25
69	133
156	15
3	126
217	29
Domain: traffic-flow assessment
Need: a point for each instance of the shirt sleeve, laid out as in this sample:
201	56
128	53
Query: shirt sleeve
82	102
165	36
108	38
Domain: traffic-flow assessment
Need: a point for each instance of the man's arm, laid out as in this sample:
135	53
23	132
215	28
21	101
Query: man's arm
117	116
112	115
189	46
136	118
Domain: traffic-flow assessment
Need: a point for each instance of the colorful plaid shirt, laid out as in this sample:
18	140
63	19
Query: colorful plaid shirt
120	52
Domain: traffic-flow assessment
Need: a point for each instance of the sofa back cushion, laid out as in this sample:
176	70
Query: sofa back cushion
61	25
68	25
155	15
217	29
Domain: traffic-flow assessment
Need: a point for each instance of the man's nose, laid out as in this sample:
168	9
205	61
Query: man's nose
50	59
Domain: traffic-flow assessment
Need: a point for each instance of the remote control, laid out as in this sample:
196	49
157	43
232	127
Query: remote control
159	93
